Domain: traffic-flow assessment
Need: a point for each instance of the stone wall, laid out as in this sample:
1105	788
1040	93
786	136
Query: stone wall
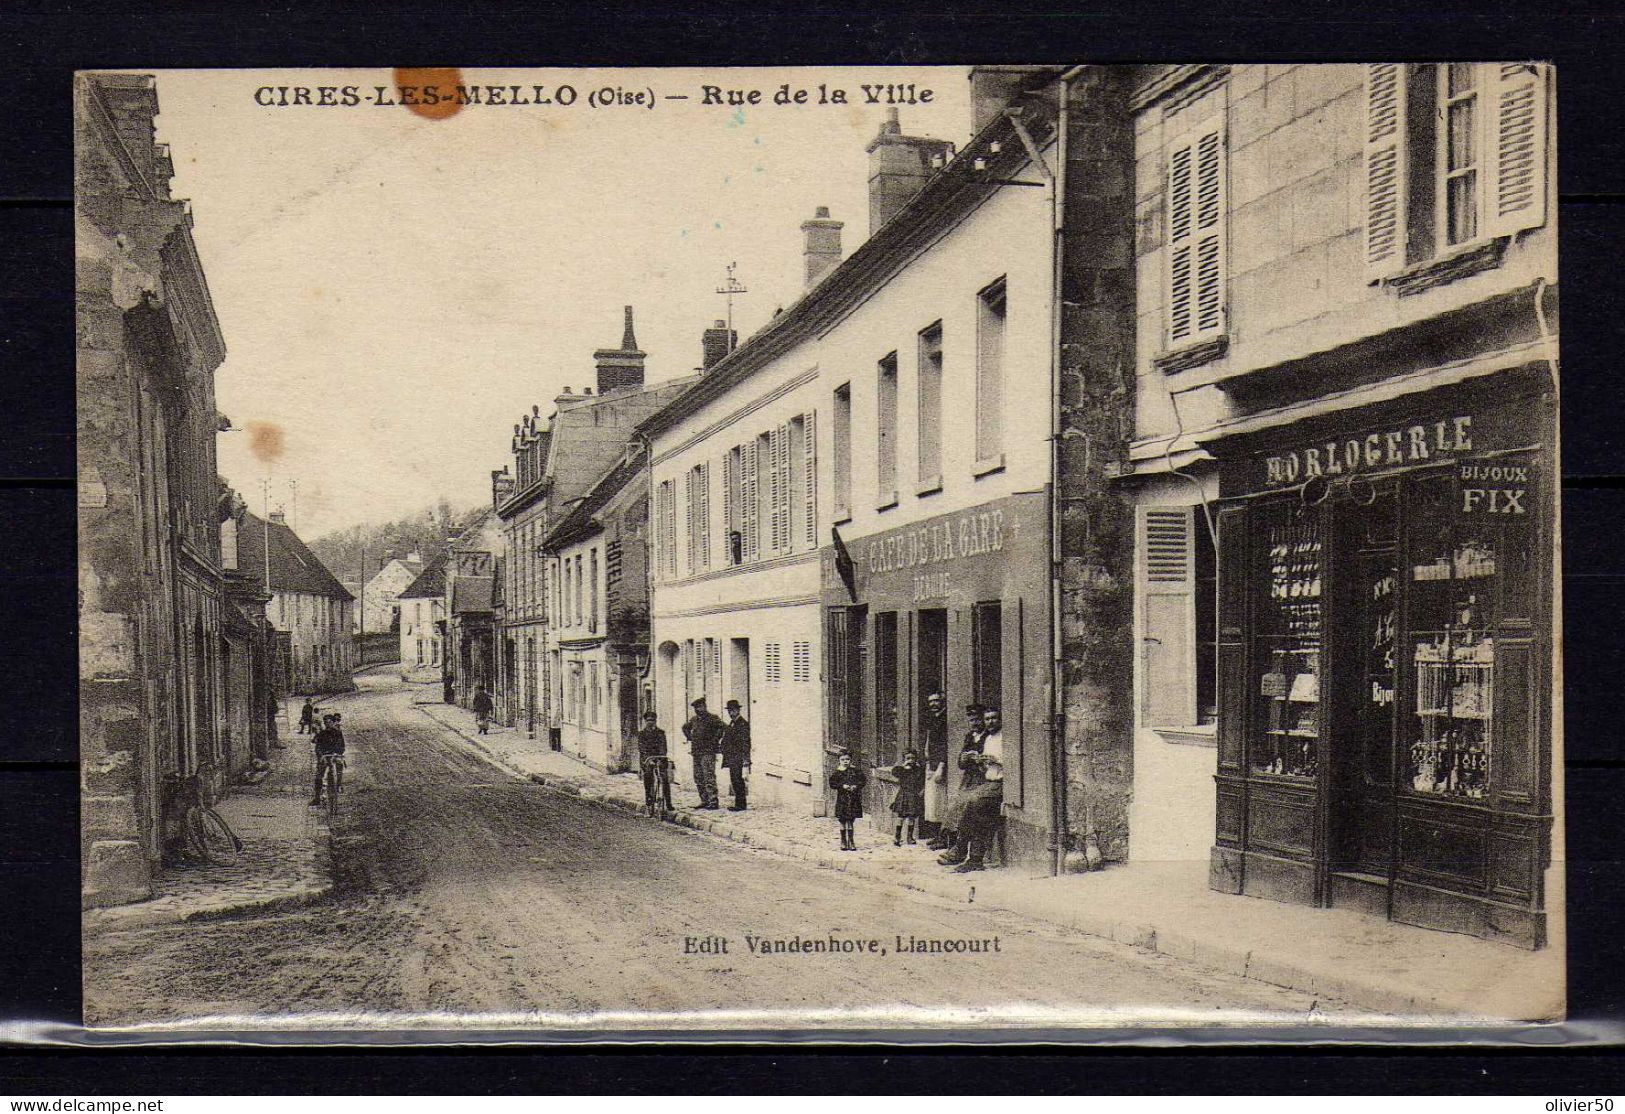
1096	413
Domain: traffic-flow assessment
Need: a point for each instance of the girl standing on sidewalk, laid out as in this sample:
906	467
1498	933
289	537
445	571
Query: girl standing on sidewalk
908	803
848	782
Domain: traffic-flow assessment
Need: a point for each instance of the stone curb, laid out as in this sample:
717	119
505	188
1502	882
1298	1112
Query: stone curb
125	918
1198	950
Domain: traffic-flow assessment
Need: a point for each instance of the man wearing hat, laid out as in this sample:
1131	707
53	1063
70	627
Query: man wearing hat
704	734
736	753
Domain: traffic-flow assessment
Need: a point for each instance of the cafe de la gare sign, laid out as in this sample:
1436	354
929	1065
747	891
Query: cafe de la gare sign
964	551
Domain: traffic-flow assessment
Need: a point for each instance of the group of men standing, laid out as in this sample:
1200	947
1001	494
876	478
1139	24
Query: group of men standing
709	739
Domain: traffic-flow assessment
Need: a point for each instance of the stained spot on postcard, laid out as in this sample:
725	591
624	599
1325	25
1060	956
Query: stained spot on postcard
429	91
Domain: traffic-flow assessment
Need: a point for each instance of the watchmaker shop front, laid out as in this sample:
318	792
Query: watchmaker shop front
1385	658
957	604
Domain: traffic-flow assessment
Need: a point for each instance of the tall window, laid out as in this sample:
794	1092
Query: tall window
990	373
1459	152
886	430
1196	212
578	590
841	450
930	403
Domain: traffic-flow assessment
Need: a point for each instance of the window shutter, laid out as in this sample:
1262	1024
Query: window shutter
702	524
775	451
1516	145
748	451
1385	169
809	470
1197	204
1178	294
781	500
688	518
729	487
1211	205
1168	697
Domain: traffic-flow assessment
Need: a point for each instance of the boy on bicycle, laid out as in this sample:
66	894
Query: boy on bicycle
652	757
329	744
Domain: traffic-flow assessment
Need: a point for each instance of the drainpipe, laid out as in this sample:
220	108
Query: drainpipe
1055	186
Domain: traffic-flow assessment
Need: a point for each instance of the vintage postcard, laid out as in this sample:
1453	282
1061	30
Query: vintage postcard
999	548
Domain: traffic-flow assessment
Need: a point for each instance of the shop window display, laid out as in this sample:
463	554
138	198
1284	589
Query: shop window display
1452	649
1289	649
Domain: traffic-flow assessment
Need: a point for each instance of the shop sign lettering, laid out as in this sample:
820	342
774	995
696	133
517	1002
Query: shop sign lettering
1389	448
972	534
1493	488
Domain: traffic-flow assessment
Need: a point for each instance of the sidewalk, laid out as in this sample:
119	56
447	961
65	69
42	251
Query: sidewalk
284	861
1354	960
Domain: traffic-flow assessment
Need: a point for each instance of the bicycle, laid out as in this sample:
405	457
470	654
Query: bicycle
205	835
330	772
656	786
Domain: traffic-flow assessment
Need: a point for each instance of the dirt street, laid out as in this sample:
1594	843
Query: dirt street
466	891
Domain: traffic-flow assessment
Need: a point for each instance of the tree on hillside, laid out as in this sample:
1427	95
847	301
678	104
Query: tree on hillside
425	533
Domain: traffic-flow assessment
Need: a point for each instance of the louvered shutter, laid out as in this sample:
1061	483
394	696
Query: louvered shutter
1196	209
730	481
774	452
1516	106
751	540
781	499
668	525
1386	180
703	515
688	518
809	472
1168	646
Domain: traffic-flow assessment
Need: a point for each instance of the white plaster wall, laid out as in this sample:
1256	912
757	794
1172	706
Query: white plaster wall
1008	236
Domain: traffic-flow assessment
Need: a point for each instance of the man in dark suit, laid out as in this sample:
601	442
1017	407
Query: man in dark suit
736	753
704	734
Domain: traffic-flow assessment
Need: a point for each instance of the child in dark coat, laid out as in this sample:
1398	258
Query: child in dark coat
848	782
908	803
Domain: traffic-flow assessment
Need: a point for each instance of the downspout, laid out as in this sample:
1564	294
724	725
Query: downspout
1054	182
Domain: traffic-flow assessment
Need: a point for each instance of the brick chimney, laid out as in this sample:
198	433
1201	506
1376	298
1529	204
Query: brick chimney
823	245
623	366
715	343
278	518
899	166
501	486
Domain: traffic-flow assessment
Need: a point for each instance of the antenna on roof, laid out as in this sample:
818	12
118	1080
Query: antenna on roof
730	288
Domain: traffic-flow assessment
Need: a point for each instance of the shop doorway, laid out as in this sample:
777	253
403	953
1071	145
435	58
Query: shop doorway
739	675
846	653
930	658
1362	730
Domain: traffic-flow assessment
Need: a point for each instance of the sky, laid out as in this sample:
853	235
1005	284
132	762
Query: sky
395	291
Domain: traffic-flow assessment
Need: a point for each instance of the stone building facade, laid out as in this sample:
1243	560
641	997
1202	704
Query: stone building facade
152	587
1345	477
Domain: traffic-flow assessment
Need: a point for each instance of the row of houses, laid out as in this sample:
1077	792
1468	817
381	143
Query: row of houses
196	616
1201	417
